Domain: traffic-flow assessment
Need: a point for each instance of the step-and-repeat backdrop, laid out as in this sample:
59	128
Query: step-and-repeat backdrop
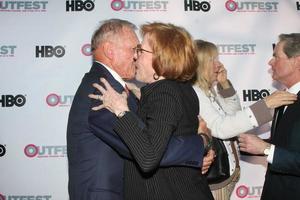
45	51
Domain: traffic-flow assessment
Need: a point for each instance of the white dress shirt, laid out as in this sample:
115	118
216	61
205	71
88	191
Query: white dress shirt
114	74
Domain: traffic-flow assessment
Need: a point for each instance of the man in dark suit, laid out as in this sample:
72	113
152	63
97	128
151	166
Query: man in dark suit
95	169
283	152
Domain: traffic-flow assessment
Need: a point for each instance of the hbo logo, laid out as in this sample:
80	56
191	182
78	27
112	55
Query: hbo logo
10	100
196	5
255	95
49	51
2	150
79	5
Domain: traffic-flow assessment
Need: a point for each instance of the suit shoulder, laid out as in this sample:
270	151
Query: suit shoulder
167	86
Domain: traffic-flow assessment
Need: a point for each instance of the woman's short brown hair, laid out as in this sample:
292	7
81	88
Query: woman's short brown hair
173	49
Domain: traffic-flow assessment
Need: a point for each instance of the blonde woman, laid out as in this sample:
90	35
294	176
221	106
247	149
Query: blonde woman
221	110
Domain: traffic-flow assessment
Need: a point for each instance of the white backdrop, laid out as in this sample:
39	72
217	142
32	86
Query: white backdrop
44	53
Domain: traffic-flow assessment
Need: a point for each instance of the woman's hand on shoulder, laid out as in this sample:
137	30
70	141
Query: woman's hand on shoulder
279	98
134	89
111	99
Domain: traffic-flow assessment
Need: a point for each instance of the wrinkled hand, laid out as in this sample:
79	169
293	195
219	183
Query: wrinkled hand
111	100
279	98
208	160
135	90
222	77
251	143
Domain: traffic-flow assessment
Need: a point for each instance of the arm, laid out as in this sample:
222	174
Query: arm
284	161
253	144
225	124
225	117
261	109
161	113
228	99
229	124
226	93
221	124
181	150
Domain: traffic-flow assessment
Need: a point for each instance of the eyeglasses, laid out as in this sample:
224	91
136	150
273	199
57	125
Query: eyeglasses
276	57
139	50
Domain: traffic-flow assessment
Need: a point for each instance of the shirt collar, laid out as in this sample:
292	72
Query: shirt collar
114	74
295	88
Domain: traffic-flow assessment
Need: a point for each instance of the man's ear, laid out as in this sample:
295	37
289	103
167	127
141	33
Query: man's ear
297	62
108	50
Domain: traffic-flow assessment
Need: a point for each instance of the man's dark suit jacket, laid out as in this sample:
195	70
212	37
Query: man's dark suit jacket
283	175
95	169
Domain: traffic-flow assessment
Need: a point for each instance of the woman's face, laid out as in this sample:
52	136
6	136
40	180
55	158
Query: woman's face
213	68
144	55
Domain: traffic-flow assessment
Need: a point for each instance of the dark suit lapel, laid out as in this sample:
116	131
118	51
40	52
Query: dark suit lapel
282	122
132	102
278	113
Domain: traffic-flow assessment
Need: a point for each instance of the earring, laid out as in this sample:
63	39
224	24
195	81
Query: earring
155	76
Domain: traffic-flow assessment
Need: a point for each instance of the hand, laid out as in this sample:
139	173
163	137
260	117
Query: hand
111	100
222	77
135	90
202	128
207	160
205	133
279	98
251	143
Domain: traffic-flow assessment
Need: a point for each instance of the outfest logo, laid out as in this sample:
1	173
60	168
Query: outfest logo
139	6
86	49
7	50
236	49
54	100
23	6
251	192
25	197
251	6
45	151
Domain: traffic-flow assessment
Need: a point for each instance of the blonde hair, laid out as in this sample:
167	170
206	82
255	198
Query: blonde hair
205	52
173	49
